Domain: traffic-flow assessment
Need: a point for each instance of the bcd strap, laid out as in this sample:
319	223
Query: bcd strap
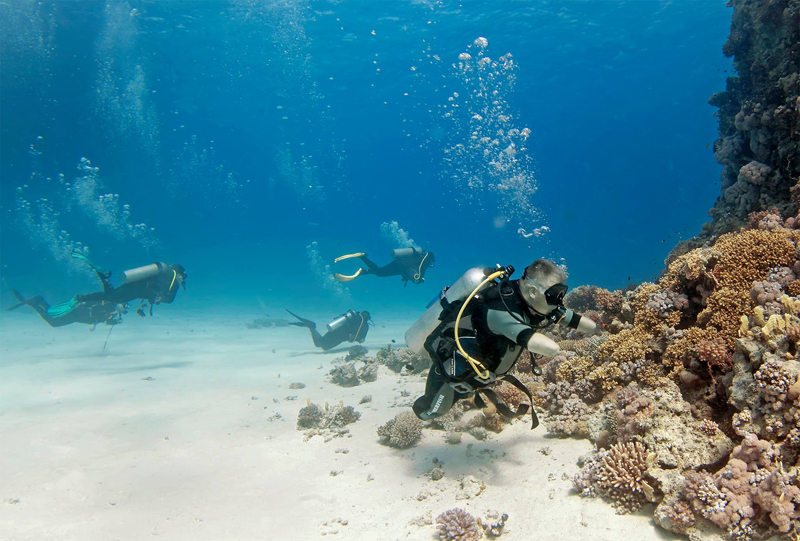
502	408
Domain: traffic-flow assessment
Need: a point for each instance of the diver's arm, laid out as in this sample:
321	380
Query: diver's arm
576	321
501	322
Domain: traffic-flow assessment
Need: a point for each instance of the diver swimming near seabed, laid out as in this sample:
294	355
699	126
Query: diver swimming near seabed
409	264
156	283
478	328
351	326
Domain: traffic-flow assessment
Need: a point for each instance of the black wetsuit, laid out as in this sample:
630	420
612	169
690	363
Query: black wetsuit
353	330
109	305
410	268
497	331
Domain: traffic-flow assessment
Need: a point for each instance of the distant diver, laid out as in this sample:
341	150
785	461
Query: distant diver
481	325
409	264
154	284
351	326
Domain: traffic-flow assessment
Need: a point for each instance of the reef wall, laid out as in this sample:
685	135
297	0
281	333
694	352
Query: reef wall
759	115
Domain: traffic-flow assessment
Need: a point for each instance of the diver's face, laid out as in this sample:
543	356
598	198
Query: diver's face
534	295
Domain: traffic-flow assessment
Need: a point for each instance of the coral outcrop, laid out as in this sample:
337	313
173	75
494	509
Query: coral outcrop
328	422
759	115
403	431
396	359
458	525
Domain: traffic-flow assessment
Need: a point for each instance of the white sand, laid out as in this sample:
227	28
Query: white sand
91	450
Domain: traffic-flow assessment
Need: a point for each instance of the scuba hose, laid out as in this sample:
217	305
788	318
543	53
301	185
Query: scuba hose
418	274
355	337
474	363
174	277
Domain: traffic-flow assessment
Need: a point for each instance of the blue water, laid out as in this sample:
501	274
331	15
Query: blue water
243	131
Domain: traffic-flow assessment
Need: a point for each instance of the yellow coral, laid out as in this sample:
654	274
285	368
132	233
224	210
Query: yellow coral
758	316
777	325
723	312
747	256
790	305
574	368
606	376
744	326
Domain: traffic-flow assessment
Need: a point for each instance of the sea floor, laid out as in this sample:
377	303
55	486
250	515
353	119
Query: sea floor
185	428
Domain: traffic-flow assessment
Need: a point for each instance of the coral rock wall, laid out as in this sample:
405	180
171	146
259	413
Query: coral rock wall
759	115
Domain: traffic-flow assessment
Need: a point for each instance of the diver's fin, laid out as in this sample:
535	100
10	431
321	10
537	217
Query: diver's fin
303	322
345	278
22	300
78	255
349	256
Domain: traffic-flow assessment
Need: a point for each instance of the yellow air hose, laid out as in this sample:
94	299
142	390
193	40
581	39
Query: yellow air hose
418	275
174	276
474	363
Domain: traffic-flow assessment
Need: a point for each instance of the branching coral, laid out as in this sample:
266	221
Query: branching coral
458	525
404	431
619	474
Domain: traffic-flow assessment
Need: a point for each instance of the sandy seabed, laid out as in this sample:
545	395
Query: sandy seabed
186	429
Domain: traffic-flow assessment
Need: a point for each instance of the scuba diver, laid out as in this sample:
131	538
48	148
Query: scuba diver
477	328
154	284
351	326
409	264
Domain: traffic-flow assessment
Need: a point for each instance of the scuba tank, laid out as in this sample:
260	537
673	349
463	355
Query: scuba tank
342	319
405	252
425	325
143	273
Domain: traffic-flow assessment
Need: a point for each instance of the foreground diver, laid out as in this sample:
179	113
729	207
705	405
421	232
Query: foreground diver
351	326
156	283
409	264
479	328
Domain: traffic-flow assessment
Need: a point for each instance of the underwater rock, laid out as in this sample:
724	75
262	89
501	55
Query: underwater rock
758	115
344	375
403	431
355	353
368	372
469	488
328	422
395	359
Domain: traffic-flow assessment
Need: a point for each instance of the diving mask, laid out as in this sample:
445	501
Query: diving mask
540	299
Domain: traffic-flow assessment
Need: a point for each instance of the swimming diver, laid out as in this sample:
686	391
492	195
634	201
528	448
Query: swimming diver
408	263
494	326
351	326
155	284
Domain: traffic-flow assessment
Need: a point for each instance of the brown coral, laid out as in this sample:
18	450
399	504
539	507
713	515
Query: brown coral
620	474
715	352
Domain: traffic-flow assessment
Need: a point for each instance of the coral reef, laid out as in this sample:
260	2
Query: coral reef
395	359
403	431
692	390
458	525
325	421
619	474
758	115
344	375
355	353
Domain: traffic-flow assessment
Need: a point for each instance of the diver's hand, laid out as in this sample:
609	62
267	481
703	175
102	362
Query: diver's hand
586	325
539	343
